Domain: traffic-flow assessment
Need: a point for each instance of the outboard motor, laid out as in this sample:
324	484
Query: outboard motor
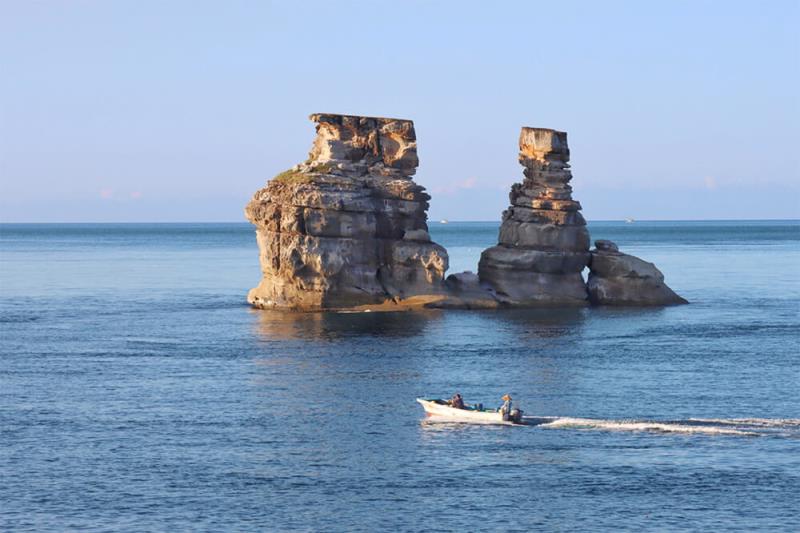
515	416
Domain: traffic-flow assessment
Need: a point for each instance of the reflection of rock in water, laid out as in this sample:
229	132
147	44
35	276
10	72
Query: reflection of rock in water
277	325
543	323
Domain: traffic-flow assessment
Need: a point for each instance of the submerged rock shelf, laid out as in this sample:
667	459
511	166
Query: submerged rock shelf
346	229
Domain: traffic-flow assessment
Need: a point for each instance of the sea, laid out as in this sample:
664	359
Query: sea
140	392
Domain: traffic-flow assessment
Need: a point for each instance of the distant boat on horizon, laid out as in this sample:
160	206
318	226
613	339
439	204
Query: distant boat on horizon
629	221
444	221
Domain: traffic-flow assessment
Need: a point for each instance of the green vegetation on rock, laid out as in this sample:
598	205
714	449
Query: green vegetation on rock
296	176
292	176
321	168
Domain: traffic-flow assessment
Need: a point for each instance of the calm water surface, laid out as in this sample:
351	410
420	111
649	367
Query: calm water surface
138	391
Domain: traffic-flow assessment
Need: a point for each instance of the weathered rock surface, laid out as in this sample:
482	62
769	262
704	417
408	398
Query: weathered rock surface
543	244
606	246
347	227
466	291
616	278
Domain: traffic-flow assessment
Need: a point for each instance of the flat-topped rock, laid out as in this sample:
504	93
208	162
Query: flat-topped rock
543	244
356	145
347	227
543	144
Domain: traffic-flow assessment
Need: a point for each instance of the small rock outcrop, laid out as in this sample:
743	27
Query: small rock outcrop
543	244
616	278
466	291
347	227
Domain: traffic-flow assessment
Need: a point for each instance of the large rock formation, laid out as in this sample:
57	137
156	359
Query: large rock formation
620	279
347	228
543	244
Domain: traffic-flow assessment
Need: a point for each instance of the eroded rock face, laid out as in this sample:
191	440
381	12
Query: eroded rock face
543	244
616	278
347	227
466	291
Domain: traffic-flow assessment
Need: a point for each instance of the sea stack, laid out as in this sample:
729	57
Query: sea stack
616	278
347	228
543	244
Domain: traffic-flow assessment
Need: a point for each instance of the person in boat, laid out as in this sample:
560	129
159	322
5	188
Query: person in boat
505	409
457	401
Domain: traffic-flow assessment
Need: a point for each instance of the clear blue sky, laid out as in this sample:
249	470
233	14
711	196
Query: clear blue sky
180	110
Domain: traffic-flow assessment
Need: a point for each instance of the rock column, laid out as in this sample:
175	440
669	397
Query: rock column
543	244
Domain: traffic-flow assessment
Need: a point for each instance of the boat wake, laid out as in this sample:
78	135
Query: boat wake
748	427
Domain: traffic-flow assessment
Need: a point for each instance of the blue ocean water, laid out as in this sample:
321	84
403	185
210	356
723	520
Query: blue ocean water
138	391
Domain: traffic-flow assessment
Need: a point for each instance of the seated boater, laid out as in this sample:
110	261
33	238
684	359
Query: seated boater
457	401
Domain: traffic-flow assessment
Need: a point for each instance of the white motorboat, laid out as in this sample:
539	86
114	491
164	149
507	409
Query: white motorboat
442	411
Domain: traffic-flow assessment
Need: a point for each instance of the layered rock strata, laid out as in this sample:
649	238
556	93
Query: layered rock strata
347	227
543	244
616	278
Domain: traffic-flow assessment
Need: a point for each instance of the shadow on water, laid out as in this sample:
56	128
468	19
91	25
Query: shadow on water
329	326
544	323
611	311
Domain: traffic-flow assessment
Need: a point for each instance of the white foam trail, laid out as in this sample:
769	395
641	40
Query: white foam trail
757	422
748	427
643	425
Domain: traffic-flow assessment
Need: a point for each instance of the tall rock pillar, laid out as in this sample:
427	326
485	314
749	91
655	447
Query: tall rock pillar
543	244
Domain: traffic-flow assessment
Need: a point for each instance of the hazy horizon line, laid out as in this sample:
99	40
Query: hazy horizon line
448	221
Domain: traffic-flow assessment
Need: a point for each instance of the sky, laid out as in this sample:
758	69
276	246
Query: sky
146	111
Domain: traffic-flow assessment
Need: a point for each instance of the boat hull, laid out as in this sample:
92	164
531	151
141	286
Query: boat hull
443	412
